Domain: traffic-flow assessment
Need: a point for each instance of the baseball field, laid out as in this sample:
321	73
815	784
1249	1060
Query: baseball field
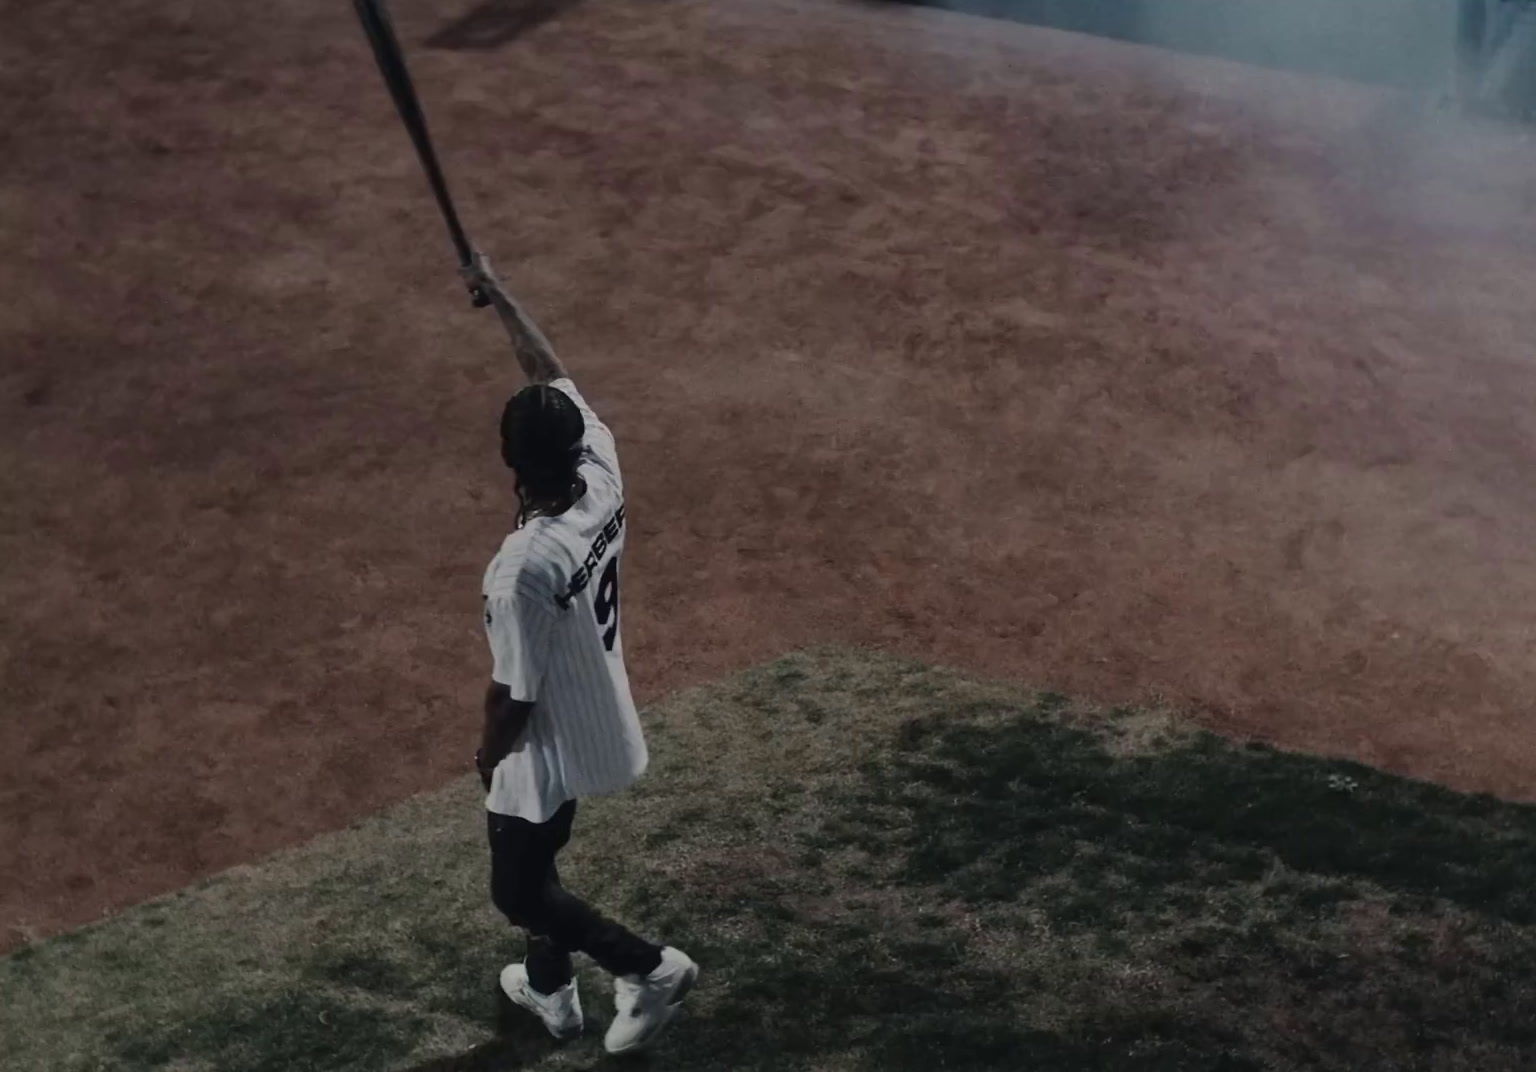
1082	558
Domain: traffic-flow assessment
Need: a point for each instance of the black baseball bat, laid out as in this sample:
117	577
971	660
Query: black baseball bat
386	50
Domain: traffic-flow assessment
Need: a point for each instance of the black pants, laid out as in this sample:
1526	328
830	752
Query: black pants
526	888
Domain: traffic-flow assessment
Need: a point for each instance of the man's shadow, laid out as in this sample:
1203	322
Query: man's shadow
496	23
519	1041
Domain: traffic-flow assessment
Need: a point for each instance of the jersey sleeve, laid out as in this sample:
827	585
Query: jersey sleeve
518	627
597	442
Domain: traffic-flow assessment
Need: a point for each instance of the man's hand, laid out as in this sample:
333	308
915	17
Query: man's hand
480	276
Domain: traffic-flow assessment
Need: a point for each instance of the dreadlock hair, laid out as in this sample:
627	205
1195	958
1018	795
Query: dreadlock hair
541	431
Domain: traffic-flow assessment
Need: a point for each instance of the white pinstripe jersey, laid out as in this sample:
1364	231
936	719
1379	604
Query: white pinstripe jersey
552	617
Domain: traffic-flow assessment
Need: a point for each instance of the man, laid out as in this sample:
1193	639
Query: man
1471	42
1496	57
560	723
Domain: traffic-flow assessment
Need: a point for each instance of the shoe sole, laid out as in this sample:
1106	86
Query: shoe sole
669	1011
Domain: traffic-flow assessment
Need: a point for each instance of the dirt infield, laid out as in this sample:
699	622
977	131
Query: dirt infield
1089	366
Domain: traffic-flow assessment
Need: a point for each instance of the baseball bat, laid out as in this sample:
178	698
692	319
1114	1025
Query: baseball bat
386	50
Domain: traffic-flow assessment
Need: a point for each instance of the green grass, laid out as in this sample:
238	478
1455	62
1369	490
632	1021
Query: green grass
879	865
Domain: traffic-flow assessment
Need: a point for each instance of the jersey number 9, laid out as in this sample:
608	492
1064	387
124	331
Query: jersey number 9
606	603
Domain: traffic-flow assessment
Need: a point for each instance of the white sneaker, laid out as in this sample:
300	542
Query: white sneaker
560	1011
643	1005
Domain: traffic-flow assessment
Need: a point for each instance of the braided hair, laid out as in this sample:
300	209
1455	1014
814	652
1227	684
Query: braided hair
541	432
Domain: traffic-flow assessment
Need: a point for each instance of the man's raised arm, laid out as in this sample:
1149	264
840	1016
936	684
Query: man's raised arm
534	353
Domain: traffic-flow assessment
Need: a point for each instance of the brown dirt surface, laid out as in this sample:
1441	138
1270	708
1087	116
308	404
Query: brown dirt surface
1113	371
